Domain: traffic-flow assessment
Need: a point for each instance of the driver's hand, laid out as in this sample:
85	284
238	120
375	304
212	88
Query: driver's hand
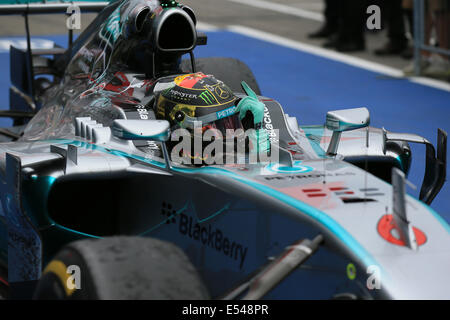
259	139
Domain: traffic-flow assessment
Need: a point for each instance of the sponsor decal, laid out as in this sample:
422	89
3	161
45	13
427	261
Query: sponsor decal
296	168
206	234
153	148
143	112
182	95
223	94
386	229
227	112
351	271
308	176
212	237
267	123
207	97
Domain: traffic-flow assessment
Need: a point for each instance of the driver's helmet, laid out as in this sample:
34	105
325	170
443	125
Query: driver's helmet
199	98
198	102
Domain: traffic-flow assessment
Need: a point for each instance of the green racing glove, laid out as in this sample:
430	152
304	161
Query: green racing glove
259	139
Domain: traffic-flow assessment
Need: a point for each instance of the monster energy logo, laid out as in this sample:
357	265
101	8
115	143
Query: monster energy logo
207	96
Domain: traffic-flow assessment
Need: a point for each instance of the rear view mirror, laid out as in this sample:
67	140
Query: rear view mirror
345	120
154	130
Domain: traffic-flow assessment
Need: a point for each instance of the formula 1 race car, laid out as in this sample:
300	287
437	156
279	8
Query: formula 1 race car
94	204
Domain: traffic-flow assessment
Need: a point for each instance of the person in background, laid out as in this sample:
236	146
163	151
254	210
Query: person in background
407	6
397	43
437	16
344	25
439	64
331	24
352	24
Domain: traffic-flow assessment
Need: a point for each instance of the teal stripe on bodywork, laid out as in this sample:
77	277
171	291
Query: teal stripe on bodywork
164	136
77	232
400	163
312	212
37	190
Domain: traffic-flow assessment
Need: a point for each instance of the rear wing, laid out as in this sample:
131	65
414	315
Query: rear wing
28	63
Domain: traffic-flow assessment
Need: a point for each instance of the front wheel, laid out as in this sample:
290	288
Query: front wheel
120	268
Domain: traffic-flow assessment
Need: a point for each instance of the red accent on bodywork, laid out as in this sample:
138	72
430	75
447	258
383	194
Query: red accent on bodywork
317	194
321	202
386	225
338	188
123	87
311	190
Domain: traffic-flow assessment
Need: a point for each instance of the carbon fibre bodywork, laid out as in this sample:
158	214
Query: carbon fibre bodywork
68	177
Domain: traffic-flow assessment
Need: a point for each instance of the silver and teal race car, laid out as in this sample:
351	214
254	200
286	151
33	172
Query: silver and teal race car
95	205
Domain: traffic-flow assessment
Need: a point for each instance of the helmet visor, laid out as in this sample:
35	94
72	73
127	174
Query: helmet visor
222	125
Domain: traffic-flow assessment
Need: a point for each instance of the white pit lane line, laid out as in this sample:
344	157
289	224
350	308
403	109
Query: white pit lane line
206	27
336	56
282	8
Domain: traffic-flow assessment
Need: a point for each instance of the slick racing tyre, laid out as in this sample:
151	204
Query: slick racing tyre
229	70
120	268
